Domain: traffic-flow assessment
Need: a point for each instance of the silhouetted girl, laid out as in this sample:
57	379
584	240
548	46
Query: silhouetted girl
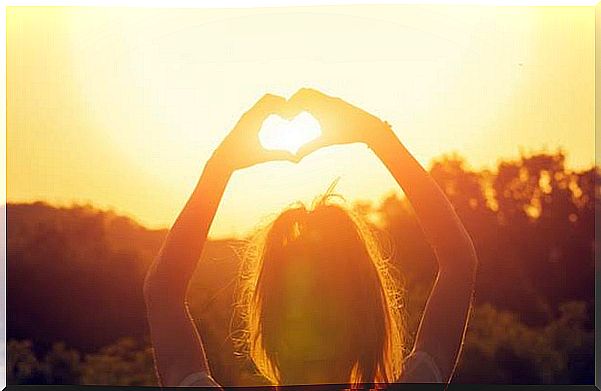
316	299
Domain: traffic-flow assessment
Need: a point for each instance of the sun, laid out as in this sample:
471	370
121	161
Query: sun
280	134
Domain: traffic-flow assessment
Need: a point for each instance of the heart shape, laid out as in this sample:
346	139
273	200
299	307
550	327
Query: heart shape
279	134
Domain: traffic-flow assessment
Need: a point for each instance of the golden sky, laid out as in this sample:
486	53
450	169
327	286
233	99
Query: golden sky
121	108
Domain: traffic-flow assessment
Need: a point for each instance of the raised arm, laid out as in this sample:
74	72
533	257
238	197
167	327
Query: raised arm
444	321
443	324
177	345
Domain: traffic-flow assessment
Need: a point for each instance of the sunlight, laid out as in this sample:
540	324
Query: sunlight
157	92
280	134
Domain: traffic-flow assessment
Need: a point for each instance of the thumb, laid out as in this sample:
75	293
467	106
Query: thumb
281	155
309	147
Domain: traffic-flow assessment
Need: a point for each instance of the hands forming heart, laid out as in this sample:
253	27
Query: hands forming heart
309	120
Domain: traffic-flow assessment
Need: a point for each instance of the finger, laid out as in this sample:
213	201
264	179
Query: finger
305	96
281	155
298	102
304	99
310	147
315	102
268	104
268	100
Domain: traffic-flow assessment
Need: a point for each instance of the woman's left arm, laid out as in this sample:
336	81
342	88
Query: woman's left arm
177	345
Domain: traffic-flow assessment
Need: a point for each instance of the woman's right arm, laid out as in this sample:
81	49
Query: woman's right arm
177	345
443	324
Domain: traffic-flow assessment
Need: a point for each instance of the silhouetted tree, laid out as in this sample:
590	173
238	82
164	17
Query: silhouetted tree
75	275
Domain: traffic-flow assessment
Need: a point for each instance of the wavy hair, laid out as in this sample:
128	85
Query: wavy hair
345	260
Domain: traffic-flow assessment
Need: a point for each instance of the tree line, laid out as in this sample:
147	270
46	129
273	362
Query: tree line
76	312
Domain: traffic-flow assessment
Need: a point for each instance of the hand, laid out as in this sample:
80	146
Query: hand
341	122
241	147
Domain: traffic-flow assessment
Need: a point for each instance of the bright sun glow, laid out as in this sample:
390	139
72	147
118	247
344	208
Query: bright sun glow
147	95
280	134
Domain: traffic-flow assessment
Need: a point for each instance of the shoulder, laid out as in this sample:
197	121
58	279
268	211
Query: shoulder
419	367
199	379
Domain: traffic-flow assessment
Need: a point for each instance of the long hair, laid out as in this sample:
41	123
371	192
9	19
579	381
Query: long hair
334	257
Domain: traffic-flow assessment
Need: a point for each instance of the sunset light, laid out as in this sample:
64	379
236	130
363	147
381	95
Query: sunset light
280	134
109	106
257	193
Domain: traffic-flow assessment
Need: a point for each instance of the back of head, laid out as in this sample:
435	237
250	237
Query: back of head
317	292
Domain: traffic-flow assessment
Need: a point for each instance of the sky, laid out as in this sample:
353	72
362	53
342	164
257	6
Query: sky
121	107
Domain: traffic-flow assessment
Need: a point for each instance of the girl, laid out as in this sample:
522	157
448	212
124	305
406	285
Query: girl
318	304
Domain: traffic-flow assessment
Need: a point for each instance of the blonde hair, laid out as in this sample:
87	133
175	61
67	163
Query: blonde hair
334	234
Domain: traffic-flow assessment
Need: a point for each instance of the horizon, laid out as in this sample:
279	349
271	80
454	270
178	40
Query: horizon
374	202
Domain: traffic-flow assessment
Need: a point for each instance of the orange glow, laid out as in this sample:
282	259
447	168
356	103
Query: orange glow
122	107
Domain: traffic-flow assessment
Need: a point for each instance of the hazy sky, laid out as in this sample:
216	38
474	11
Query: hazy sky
121	108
